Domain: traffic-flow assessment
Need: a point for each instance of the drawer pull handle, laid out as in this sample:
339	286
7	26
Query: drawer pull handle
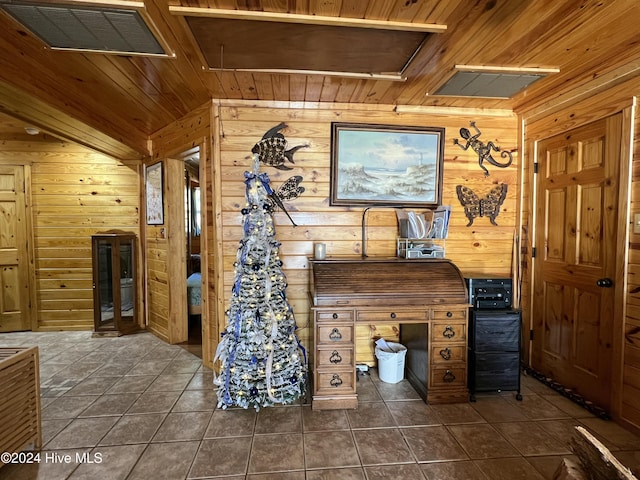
335	357
448	377
336	381
449	314
335	315
448	332
393	315
335	335
446	353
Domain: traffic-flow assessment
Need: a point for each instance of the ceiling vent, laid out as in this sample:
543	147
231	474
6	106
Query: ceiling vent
97	29
491	82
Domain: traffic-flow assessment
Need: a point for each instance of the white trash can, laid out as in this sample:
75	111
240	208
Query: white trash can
390	361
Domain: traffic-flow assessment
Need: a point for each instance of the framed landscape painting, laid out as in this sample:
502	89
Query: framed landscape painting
386	165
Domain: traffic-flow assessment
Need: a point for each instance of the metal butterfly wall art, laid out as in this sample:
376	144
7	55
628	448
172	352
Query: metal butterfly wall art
487	206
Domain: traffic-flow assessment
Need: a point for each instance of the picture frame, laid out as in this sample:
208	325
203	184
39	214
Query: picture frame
154	194
386	165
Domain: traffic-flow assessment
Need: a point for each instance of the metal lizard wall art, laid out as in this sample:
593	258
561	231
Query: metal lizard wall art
483	151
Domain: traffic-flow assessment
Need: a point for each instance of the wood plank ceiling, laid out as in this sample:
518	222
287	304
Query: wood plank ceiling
114	102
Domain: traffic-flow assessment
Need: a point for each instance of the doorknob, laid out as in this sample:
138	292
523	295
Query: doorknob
605	282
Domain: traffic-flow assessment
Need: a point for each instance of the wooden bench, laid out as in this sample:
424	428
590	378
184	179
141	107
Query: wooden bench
21	426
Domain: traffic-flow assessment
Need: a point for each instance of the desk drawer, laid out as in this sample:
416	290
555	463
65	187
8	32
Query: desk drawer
334	315
448	377
334	334
450	315
448	354
451	332
392	315
335	357
335	382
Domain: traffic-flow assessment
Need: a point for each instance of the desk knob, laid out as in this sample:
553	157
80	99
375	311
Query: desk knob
449	314
335	315
448	377
336	381
393	315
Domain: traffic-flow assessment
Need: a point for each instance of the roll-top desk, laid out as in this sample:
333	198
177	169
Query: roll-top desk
427	298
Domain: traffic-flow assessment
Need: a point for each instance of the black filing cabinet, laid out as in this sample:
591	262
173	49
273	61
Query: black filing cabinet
494	337
494	351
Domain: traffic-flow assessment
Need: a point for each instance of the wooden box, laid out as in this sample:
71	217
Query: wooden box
20	393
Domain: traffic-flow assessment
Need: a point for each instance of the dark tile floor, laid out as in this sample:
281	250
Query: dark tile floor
141	409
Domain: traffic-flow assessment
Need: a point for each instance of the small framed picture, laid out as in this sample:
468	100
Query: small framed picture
154	194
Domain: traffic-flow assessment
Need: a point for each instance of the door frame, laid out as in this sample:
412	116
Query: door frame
176	264
621	246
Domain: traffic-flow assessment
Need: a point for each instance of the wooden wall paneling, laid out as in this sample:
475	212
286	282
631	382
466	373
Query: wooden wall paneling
169	318
480	249
183	134
366	336
62	264
624	153
33	295
527	186
75	194
568	112
213	269
176	244
157	281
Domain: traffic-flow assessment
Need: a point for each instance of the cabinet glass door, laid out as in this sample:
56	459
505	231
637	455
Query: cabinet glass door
106	320
114	283
127	287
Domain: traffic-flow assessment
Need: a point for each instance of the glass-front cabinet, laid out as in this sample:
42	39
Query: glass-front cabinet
115	296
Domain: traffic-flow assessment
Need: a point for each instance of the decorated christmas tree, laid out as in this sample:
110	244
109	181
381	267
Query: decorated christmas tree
262	360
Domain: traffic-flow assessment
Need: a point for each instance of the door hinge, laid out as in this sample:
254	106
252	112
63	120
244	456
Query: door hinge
535	167
530	334
534	251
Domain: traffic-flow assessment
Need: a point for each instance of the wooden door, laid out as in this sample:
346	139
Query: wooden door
14	260
577	192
